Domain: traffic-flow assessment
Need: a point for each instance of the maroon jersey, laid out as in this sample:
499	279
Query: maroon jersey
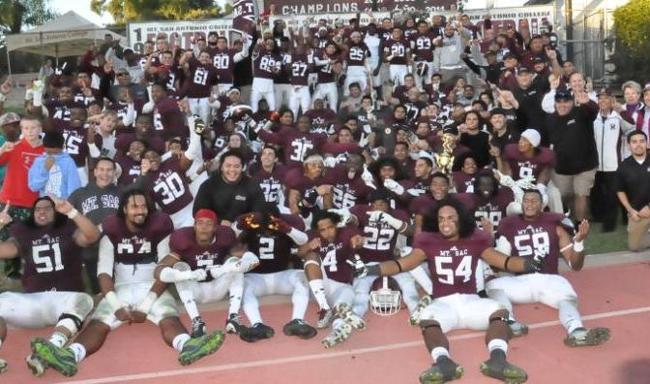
296	144
168	187
334	255
137	247
380	238
266	63
299	69
422	204
183	243
59	112
453	264
357	55
422	46
522	166
399	50
418	187
295	179
535	238
346	193
168	120
463	181
201	79
494	208
52	258
81	98
322	120
401	93
76	144
325	72
271	182
224	62
130	170
274	249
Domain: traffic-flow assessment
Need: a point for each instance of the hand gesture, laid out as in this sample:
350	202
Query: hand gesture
5	88
583	230
62	206
486	224
5	218
494	151
8	146
324	189
554	81
551	53
359	268
356	241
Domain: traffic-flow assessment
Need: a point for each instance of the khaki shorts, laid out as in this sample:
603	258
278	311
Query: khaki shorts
579	184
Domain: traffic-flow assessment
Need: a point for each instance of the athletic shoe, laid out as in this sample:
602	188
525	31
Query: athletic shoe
338	335
196	348
3	366
424	302
198	327
344	313
233	324
583	337
444	370
298	327
60	359
517	328
504	371
34	364
325	317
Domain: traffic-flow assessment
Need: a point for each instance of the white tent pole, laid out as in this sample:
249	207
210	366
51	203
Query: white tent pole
56	52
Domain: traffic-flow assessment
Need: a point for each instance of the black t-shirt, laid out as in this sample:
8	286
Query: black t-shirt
634	179
229	200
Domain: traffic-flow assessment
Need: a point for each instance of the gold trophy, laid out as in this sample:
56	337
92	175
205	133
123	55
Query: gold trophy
445	159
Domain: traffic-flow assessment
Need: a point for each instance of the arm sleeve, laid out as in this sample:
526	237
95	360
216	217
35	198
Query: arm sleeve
72	177
106	257
38	175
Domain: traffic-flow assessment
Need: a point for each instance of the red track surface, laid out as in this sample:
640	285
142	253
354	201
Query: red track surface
390	351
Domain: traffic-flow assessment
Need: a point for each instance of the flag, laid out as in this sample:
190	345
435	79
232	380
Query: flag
245	16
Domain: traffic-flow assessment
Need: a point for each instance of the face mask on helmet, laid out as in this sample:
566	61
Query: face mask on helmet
387	299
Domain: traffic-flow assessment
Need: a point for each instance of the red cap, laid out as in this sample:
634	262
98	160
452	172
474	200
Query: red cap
205	214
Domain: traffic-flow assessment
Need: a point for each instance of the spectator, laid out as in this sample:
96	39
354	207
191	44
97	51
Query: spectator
54	173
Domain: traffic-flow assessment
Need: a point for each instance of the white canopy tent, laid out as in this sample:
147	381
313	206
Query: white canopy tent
67	35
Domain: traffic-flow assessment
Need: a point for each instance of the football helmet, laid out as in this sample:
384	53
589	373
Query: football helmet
387	299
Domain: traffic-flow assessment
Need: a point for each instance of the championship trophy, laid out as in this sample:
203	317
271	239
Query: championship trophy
445	159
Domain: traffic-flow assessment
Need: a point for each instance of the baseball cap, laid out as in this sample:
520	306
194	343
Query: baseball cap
563	95
605	92
9	118
509	55
522	69
498	111
538	60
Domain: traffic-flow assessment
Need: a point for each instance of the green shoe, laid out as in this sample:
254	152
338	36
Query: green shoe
443	371
61	359
194	349
504	371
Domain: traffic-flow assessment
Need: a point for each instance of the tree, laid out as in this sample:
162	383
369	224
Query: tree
14	14
632	30
124	11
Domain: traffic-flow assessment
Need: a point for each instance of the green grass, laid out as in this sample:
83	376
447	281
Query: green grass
599	242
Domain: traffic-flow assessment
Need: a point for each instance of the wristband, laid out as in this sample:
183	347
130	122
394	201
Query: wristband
146	304
578	246
72	214
113	301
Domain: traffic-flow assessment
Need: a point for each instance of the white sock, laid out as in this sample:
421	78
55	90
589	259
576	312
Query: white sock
58	339
498	344
179	341
318	290
439	351
79	351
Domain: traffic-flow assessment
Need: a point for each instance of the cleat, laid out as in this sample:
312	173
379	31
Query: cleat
344	313
60	359
517	328
443	371
424	302
258	331
325	317
582	337
198	327
35	365
338	335
233	324
195	349
3	366
504	371
298	327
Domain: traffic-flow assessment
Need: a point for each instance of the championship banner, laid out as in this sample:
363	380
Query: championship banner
535	16
297	21
312	7
180	33
245	16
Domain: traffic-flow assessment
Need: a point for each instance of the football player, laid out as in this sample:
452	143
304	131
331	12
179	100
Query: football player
274	237
216	263
50	245
545	237
454	249
134	239
325	253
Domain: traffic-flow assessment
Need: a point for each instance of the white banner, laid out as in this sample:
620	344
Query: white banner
180	33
